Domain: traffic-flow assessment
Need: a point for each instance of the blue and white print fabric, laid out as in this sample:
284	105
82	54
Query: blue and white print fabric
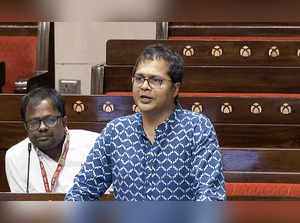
184	162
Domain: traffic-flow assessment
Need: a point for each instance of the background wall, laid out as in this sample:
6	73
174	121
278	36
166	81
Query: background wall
79	46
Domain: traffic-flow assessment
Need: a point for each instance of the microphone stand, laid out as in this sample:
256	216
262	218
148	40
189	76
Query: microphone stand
28	167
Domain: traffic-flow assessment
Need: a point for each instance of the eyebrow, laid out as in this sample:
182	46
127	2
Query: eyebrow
151	76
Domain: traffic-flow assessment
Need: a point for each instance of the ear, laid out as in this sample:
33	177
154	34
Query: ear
176	88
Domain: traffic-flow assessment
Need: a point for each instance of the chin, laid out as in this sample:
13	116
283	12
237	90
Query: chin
145	107
45	146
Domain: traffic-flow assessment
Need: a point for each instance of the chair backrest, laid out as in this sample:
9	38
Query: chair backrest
24	47
243	65
2	75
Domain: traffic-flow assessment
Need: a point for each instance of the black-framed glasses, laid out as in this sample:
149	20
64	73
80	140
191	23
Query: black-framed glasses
34	124
153	82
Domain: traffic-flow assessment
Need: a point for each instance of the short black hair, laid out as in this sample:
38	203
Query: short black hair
160	51
42	93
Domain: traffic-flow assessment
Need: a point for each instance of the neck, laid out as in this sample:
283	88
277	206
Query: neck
55	152
152	120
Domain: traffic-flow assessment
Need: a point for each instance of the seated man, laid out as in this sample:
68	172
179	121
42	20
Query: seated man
162	153
49	158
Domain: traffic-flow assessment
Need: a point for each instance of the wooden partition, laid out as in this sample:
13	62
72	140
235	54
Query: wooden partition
260	143
212	64
236	28
7	196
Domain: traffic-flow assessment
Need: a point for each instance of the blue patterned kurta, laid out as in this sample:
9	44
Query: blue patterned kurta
184	162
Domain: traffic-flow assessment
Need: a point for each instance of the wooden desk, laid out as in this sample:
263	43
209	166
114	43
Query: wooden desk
7	196
256	148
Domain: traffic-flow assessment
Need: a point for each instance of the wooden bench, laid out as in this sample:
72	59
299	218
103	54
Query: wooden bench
256	148
251	98
246	65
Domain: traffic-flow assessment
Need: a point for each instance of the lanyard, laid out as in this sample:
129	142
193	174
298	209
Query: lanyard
60	165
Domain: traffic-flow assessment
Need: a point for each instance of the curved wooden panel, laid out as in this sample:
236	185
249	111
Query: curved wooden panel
125	52
250	160
217	79
261	177
258	136
270	29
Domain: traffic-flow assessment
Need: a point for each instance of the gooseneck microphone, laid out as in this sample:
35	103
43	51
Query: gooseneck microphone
28	167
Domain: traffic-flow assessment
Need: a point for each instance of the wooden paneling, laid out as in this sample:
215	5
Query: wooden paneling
3	181
10	107
242	107
217	79
117	78
275	160
42	197
10	133
258	136
233	29
256	147
261	177
32	197
122	52
18	28
94	105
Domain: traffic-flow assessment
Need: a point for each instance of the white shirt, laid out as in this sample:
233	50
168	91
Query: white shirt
16	163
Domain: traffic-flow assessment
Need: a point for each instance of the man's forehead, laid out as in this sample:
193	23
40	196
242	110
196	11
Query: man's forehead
160	64
36	105
155	59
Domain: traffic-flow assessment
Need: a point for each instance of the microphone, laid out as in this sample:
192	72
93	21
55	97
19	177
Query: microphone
28	167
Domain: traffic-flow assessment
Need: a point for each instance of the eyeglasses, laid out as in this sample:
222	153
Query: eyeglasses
153	82
34	124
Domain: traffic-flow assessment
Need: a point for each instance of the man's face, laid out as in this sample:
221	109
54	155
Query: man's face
149	98
44	137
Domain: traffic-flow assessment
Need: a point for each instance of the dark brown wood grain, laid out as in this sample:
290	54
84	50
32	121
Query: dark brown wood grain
217	79
275	160
32	197
261	177
42	197
256	148
125	52
258	136
18	28
233	29
242	107
4	196
3	181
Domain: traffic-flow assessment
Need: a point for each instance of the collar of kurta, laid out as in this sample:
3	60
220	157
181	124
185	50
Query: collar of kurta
163	128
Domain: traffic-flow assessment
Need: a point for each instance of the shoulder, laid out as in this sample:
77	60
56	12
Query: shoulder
82	138
17	151
75	133
193	118
125	121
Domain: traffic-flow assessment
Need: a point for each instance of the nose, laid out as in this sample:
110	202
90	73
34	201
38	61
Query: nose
147	85
43	127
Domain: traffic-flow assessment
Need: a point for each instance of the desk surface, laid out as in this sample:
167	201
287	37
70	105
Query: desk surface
7	196
149	212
